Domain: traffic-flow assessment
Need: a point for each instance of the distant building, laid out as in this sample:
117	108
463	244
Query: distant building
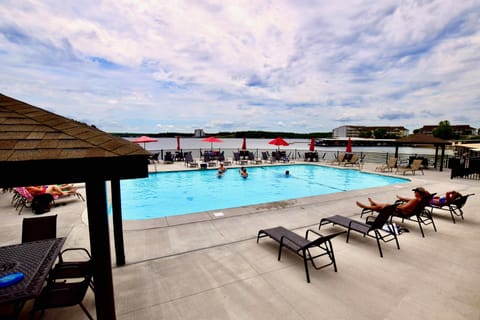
198	133
355	131
460	130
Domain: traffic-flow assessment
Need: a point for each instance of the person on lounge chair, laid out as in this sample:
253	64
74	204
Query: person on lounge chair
405	208
447	199
53	189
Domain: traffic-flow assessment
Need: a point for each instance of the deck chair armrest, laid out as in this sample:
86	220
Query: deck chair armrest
311	230
368	220
329	236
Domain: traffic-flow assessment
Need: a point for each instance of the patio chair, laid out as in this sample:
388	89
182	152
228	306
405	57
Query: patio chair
65	293
71	264
420	215
389	166
455	207
415	166
375	226
302	246
39	228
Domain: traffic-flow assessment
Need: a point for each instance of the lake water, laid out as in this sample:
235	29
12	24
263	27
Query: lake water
170	144
296	148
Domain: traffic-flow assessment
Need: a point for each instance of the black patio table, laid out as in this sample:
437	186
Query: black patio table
34	259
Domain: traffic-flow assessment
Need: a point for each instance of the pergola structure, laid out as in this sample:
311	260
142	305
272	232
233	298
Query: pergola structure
423	139
40	147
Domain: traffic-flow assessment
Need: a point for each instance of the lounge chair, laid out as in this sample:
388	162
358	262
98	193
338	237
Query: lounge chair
267	158
209	159
455	207
189	161
338	159
353	161
252	159
302	246
421	214
21	199
154	158
375	226
415	166
168	158
389	166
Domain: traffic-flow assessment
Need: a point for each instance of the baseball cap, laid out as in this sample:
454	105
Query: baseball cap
420	190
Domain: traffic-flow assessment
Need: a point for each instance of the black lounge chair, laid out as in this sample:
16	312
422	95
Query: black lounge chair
168	158
455	207
421	215
189	161
373	227
302	246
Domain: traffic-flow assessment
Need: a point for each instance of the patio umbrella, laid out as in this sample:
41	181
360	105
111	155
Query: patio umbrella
144	140
178	143
278	142
349	146
312	145
212	140
244	144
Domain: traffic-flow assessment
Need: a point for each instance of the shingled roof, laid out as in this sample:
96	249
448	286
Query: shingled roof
422	139
30	134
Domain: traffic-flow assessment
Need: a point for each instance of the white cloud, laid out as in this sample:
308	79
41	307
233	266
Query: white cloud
244	65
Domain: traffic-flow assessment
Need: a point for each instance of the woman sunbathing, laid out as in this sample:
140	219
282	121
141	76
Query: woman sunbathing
53	189
449	197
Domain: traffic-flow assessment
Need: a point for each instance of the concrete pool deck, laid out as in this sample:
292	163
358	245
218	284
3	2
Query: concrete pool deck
209	266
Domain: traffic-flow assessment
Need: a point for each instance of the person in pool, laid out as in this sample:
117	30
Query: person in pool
243	172
221	170
287	173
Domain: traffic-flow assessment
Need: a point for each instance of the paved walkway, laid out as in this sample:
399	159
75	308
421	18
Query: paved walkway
202	266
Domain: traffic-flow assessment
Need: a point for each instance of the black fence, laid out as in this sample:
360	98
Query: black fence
467	168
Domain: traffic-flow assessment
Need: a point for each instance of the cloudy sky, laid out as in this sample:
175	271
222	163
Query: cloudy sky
299	66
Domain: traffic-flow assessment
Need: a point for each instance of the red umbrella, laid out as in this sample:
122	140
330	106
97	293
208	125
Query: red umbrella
349	145
244	144
178	143
211	140
278	142
144	140
312	145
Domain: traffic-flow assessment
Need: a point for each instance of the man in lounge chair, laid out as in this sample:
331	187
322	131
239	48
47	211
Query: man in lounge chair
405	208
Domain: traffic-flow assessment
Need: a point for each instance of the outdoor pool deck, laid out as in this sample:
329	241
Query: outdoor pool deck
205	266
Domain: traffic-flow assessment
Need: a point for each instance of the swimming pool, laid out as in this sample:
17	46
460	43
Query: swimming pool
181	192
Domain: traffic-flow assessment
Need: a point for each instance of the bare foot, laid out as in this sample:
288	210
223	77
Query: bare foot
371	201
361	205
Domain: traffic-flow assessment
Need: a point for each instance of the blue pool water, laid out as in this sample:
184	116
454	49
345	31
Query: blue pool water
181	192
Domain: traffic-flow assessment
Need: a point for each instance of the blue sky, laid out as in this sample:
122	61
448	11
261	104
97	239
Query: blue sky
300	66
